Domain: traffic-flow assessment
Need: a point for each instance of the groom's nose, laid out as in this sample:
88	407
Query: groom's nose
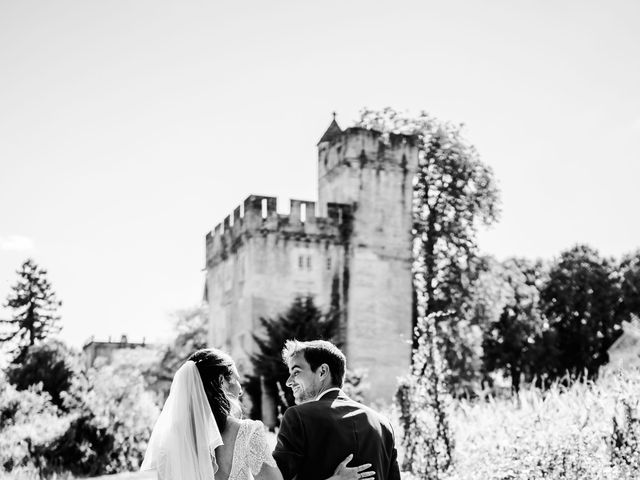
288	382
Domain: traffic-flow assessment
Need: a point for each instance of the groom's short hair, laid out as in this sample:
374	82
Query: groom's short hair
317	352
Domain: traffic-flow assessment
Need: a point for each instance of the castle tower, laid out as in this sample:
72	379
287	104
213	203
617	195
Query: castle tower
373	175
350	251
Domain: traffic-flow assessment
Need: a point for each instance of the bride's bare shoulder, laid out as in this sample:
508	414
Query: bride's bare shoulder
231	430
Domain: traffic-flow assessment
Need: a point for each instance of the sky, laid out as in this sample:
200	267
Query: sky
129	129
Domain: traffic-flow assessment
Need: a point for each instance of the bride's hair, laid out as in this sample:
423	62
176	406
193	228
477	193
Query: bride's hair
212	365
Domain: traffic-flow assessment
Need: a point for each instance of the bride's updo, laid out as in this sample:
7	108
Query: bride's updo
212	365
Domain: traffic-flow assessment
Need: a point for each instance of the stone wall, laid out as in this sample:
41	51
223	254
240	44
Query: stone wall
257	266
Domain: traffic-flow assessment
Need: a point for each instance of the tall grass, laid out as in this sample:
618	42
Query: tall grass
586	430
573	430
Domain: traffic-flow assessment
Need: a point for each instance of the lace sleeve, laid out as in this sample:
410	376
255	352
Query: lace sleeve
259	449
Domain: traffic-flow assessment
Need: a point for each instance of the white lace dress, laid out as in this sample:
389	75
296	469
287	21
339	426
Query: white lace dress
251	451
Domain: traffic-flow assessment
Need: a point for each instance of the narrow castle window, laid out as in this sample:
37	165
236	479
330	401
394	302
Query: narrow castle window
329	263
264	207
300	262
309	262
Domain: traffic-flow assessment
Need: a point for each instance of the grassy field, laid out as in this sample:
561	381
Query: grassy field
583	431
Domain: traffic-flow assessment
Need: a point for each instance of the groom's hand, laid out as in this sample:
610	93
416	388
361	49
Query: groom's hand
342	472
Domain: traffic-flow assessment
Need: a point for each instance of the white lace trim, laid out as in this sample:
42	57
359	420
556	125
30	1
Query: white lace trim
250	452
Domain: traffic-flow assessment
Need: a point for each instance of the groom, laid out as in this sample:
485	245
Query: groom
326	425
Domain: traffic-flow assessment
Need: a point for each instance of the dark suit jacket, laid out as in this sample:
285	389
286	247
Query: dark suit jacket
315	437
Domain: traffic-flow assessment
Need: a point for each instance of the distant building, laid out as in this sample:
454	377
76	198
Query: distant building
351	251
625	351
93	350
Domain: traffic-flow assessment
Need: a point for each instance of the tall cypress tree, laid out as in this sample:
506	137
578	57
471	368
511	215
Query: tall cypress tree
34	306
302	321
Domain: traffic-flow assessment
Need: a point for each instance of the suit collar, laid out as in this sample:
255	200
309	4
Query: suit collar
331	394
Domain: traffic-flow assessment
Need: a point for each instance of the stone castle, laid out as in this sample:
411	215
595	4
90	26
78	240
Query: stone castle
351	250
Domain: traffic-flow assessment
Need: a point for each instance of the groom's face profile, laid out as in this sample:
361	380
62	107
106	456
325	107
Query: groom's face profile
305	383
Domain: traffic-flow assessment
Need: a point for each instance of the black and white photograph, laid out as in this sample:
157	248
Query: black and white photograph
303	240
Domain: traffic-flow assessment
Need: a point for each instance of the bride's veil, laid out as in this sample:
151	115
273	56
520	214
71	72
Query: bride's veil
185	436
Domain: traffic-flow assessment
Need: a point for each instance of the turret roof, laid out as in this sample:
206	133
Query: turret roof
332	132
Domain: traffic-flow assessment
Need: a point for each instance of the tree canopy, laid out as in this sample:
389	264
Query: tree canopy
630	285
581	301
510	340
190	326
51	363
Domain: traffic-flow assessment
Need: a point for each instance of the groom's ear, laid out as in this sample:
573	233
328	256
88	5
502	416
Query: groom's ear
324	370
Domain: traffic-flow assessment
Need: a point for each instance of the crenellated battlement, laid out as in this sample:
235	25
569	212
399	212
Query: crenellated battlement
258	215
357	146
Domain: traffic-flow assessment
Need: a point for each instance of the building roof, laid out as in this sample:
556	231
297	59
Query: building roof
332	132
122	343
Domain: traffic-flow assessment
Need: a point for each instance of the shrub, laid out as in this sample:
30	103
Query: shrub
28	421
110	415
114	413
51	364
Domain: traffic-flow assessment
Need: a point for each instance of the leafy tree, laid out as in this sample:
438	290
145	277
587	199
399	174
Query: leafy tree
50	363
34	304
630	284
461	340
581	301
489	293
454	193
510	341
113	415
28	422
191	327
302	321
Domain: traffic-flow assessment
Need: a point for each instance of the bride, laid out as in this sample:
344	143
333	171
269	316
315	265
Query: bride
199	435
